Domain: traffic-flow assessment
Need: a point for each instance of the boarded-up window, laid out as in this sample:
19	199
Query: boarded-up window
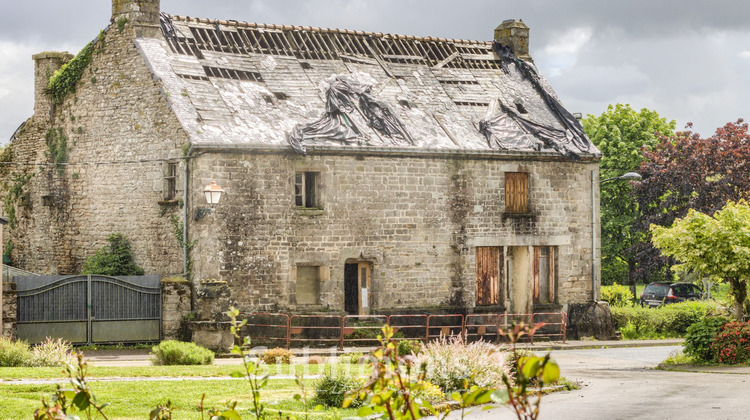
516	192
308	285
544	274
489	275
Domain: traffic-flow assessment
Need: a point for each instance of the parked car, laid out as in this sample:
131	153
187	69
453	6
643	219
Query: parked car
656	294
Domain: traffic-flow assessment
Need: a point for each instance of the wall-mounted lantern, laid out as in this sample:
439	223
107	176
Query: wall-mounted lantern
213	193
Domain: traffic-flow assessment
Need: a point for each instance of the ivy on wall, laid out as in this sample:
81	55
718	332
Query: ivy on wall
179	228
64	80
16	195
57	146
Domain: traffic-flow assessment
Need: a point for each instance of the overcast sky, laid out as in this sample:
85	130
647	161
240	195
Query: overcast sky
689	60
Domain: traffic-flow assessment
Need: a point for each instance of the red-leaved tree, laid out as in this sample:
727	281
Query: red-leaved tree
683	172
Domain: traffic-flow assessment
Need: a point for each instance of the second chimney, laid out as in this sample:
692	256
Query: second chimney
142	14
46	64
514	34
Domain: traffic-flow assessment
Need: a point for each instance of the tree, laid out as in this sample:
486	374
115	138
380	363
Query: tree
621	134
115	259
686	172
717	245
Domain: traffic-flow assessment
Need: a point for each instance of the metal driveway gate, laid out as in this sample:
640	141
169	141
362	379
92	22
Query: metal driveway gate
89	309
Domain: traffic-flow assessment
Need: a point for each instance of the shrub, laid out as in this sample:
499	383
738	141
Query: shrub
14	353
429	392
617	295
732	343
115	259
356	358
330	390
52	352
178	353
666	321
700	335
451	361
512	362
277	355
407	347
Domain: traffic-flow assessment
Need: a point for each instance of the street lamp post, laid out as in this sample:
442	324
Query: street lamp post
628	176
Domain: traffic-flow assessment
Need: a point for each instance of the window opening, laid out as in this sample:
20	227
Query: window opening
170	181
544	287
306	189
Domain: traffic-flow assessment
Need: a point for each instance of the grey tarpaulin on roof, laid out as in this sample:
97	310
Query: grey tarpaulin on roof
571	142
344	98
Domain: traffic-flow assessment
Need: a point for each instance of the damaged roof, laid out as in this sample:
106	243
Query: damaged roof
253	85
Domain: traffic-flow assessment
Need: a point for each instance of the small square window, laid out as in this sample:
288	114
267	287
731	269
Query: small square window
306	189
516	192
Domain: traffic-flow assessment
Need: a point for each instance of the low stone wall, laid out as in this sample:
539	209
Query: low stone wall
175	305
10	303
215	336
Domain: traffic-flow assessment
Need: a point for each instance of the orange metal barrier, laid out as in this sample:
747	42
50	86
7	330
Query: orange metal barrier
341	329
360	323
411	326
555	324
444	325
330	333
482	325
283	328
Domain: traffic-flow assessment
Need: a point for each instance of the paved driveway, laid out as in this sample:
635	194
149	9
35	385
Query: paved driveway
622	384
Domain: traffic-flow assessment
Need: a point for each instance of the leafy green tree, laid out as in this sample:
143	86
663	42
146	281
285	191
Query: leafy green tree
621	134
684	172
115	259
718	245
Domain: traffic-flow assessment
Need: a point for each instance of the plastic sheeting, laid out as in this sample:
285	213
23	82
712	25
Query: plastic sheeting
571	142
343	98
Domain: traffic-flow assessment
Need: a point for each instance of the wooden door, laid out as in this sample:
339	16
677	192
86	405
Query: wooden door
363	279
489	275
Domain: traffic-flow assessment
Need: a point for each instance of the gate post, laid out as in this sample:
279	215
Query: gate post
88	310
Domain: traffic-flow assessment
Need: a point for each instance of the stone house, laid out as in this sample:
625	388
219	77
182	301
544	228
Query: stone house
362	172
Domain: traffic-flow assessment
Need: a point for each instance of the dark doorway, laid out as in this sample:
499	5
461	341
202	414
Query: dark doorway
351	287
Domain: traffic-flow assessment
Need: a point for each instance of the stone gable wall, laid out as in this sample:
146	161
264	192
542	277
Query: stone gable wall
417	219
117	113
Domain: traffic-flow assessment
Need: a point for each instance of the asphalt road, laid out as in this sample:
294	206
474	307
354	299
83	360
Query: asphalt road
622	384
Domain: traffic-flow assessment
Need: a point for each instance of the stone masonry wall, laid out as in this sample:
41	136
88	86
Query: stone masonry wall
118	113
417	219
10	301
175	304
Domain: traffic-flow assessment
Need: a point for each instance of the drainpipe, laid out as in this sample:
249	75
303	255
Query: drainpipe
186	184
593	236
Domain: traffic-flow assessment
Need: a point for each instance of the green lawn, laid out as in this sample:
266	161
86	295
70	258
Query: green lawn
135	399
182	371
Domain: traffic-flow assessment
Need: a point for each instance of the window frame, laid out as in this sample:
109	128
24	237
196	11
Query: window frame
551	296
517	193
307	190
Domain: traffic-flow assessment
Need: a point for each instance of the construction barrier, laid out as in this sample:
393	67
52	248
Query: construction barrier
363	329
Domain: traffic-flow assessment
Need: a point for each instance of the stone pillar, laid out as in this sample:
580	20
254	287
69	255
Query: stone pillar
514	34
9	309
46	64
175	304
142	14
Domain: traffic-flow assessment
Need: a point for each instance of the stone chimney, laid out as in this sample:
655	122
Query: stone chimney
514	34
46	64
142	14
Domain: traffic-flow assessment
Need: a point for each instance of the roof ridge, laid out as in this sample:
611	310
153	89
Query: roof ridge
323	30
